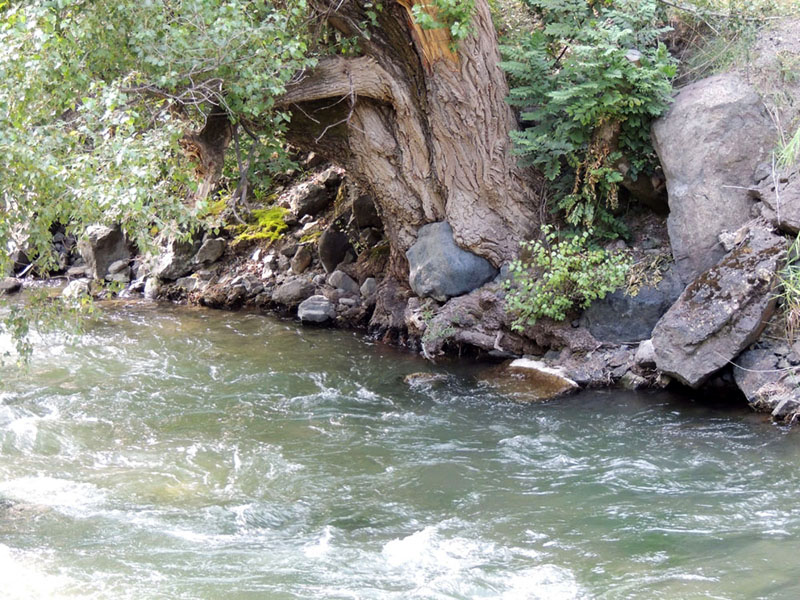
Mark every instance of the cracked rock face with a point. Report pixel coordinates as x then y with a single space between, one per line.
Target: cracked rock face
713 144
722 311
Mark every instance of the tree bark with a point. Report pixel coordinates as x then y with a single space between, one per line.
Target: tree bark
424 129
206 148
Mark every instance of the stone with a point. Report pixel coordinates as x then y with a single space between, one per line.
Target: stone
632 381
312 197
152 287
175 261
332 248
76 289
344 282
768 386
77 272
781 198
187 284
528 380
101 247
293 292
722 311
621 318
210 251
424 379
118 266
440 269
365 213
19 261
120 277
349 302
369 287
713 143
10 285
316 309
645 354
302 259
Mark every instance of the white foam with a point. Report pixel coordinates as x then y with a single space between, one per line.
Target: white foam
22 578
322 546
52 492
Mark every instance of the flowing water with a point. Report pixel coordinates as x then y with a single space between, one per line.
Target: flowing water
176 453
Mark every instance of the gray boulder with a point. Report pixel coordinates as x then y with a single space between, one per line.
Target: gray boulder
342 281
316 309
10 285
767 376
313 197
293 292
440 269
713 144
101 247
332 248
621 318
722 311
210 251
175 261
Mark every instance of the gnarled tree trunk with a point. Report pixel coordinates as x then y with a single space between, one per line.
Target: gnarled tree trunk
423 128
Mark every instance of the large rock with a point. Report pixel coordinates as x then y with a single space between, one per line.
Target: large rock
210 252
713 144
176 260
316 309
344 282
293 292
621 318
722 311
101 247
440 269
332 248
312 197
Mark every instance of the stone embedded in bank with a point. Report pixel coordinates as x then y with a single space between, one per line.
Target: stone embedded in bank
101 247
722 311
440 269
714 145
316 309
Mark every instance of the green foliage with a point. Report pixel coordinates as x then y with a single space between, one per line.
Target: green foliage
589 83
790 293
267 224
454 15
789 151
561 274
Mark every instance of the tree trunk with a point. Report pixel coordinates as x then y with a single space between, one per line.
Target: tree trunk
423 129
206 148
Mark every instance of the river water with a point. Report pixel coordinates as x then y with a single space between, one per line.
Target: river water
181 453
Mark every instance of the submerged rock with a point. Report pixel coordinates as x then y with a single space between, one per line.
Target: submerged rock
721 312
528 380
423 378
440 269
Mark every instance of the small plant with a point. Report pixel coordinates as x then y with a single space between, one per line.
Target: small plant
790 293
454 15
561 274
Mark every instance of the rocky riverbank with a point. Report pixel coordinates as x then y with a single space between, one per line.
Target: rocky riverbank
699 308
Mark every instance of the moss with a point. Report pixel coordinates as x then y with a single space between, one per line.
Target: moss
214 209
266 224
310 237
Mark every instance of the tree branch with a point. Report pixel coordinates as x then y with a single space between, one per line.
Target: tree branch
338 77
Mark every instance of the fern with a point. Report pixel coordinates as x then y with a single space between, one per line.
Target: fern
588 84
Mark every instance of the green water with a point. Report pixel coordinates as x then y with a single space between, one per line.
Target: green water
175 453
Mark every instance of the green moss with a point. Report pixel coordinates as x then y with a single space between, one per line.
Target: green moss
310 237
266 224
214 209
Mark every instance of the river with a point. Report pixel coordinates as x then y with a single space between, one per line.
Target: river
179 453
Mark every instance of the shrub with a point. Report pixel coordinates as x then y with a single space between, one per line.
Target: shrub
561 275
589 83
